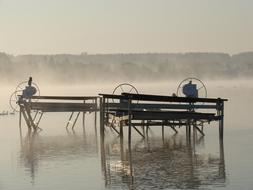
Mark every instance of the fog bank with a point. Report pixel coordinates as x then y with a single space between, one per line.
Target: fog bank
67 68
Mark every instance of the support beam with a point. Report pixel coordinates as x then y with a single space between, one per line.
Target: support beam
25 117
138 132
75 120
69 119
174 129
115 129
199 130
39 119
28 112
35 115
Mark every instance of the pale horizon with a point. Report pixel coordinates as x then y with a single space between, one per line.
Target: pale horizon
109 27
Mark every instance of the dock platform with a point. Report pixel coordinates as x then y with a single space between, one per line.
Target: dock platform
147 110
136 111
34 108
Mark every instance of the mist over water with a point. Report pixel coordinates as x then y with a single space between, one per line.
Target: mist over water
59 159
83 68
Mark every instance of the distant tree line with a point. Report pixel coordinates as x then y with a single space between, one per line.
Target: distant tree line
65 68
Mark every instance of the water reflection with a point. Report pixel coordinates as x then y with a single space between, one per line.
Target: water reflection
36 148
161 163
174 162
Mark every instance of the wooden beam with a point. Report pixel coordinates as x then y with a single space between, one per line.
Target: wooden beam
75 120
115 129
149 97
28 112
172 127
25 117
200 131
65 97
138 132
71 115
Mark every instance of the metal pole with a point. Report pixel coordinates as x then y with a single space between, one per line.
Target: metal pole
129 121
101 101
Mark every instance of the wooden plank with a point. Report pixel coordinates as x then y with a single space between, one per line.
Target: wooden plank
60 104
171 115
66 97
69 110
113 96
159 112
159 123
62 107
159 106
148 97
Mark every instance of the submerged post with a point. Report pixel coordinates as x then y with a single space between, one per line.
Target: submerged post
129 120
221 120
84 118
121 129
102 126
20 118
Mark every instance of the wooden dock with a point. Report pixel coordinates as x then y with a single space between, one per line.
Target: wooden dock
144 110
34 108
136 111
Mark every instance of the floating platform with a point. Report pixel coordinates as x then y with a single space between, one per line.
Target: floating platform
128 109
41 104
147 110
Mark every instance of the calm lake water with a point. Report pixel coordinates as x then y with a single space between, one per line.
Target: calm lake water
60 159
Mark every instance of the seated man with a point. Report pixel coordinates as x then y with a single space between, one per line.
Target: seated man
190 90
29 90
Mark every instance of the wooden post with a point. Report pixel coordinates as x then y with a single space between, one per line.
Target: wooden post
25 117
20 118
28 112
130 162
143 128
163 132
103 156
96 104
102 126
222 169
84 118
121 143
84 122
129 120
20 127
221 121
121 129
189 131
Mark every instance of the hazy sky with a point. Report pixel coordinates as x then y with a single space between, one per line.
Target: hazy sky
123 26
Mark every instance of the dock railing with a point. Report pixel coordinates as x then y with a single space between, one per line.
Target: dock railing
41 104
134 110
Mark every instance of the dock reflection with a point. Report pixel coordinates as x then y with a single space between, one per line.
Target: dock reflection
36 148
172 163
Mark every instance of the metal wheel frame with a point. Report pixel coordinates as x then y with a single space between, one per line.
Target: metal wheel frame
19 89
120 86
180 86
